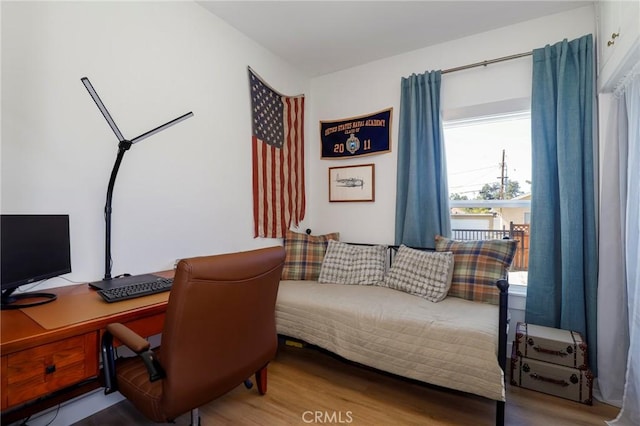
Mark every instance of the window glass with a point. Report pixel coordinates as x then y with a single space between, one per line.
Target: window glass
489 176
486 150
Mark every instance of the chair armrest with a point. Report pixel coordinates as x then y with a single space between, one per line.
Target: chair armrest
128 337
137 344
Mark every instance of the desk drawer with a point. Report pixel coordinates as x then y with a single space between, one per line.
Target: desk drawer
44 369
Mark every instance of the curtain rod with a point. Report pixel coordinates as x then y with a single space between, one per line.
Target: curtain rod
484 63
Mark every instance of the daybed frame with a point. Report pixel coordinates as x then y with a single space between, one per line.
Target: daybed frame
503 287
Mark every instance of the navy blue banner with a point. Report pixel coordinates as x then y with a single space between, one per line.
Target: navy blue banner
356 136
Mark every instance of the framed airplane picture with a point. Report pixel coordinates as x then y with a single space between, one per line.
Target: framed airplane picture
352 183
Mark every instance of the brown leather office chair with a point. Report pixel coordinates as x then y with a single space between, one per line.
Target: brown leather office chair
219 330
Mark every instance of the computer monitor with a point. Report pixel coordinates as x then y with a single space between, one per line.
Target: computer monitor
33 247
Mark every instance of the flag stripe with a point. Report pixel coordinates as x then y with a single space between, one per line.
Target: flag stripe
289 150
274 190
301 204
256 186
282 205
270 190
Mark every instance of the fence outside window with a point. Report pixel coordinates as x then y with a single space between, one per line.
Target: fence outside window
518 232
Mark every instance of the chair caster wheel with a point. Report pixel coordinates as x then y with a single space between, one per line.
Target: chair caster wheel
248 384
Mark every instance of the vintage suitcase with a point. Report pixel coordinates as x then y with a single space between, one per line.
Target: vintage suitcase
562 347
554 379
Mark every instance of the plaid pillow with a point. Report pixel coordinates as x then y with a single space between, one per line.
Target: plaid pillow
422 273
353 264
304 254
478 265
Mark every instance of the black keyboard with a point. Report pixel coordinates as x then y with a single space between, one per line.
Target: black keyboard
130 291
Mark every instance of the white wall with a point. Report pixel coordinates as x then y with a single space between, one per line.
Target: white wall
183 192
376 86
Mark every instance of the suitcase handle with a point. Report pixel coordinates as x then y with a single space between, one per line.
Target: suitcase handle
549 351
558 382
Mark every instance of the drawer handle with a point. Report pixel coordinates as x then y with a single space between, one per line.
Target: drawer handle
549 351
562 383
50 369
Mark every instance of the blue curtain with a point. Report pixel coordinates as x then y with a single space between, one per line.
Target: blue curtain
563 272
422 195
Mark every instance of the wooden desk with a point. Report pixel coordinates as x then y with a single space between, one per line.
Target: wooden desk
42 367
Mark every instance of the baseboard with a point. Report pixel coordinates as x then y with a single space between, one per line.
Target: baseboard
74 410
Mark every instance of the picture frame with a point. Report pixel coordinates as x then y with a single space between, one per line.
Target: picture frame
352 183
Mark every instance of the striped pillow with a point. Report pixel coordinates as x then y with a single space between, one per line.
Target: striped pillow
304 254
478 265
422 273
353 264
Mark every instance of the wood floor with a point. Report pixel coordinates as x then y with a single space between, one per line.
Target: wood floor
306 386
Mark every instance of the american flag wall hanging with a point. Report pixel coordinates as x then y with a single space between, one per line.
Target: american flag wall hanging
278 159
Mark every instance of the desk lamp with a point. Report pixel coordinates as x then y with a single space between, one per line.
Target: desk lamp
123 146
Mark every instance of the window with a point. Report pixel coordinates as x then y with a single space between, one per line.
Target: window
489 176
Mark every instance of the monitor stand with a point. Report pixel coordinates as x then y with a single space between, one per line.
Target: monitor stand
15 301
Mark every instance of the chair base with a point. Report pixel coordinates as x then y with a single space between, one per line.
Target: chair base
195 417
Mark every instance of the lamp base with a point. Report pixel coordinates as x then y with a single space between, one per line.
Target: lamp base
122 281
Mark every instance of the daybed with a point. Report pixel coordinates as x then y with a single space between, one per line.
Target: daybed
450 341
